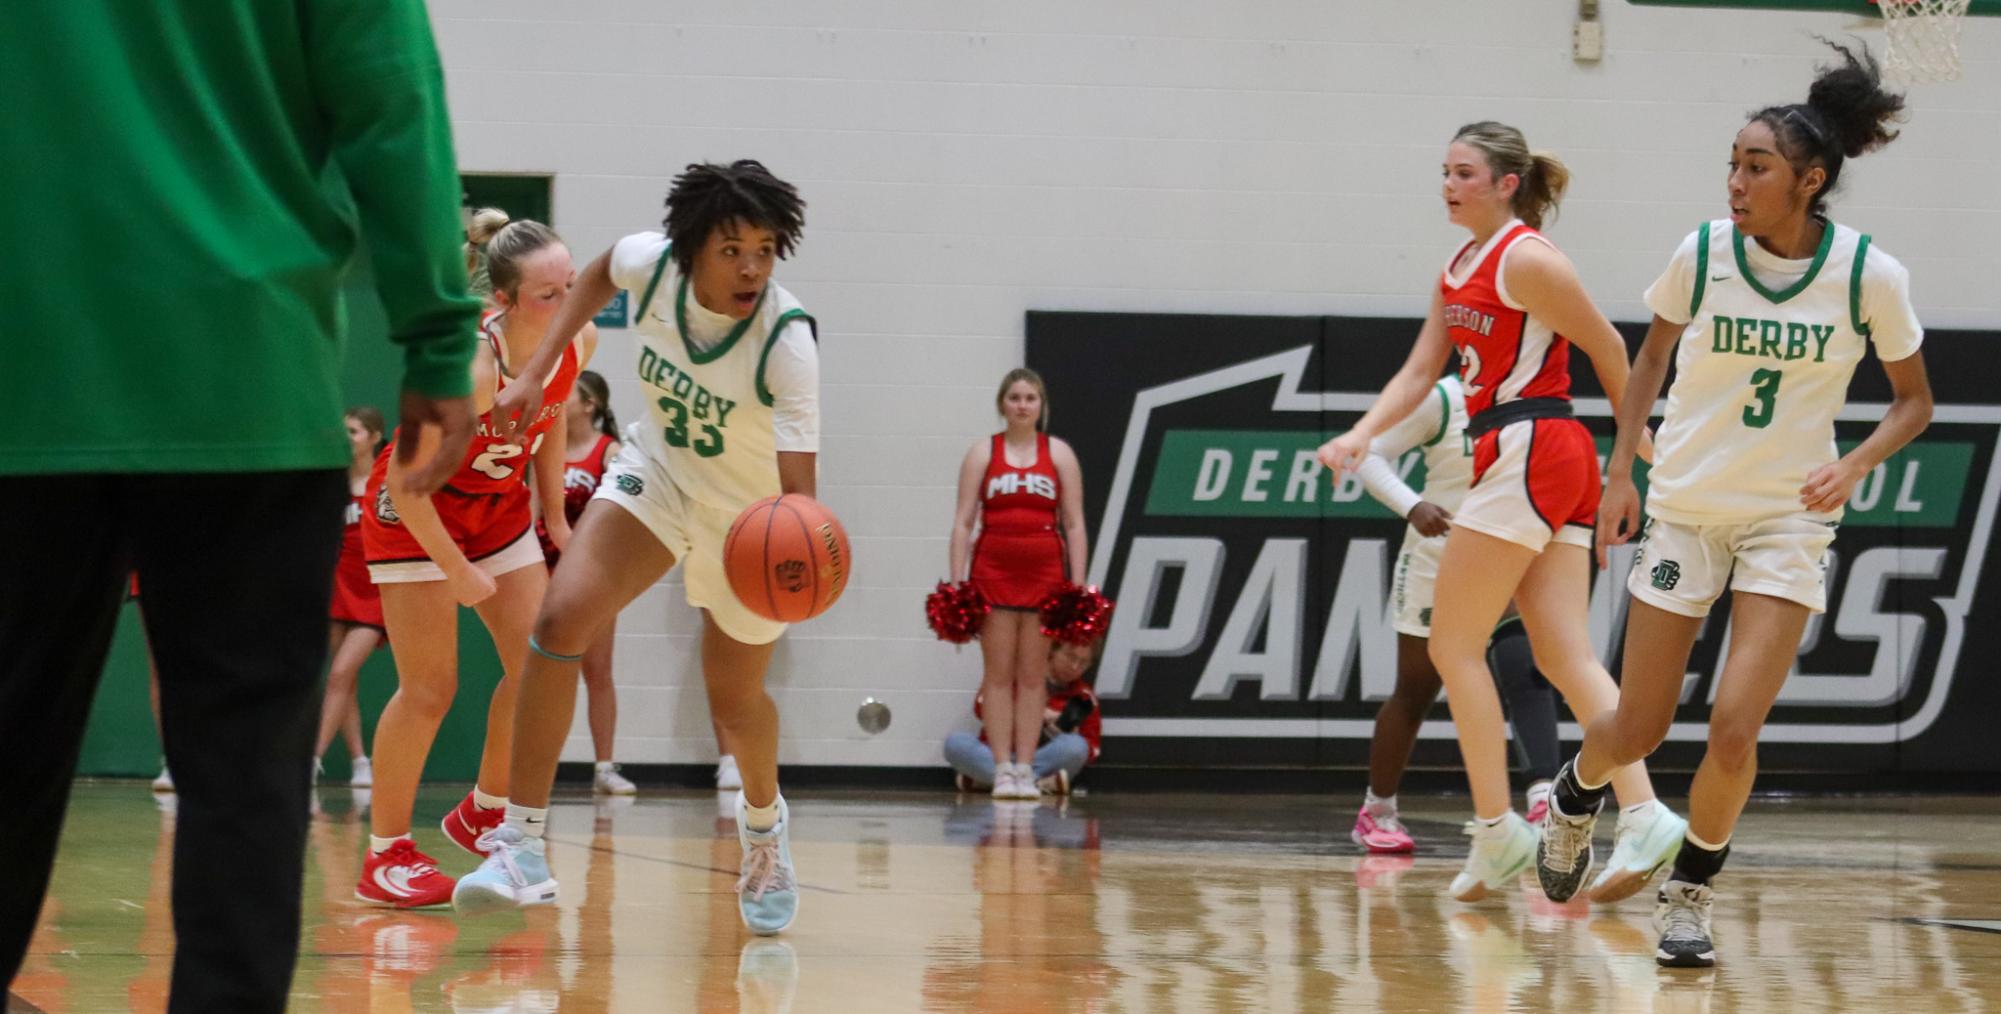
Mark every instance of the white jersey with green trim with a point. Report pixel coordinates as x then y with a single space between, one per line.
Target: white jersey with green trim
1438 425
1763 366
710 419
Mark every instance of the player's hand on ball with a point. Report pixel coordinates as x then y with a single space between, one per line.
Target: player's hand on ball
1344 454
1618 516
470 585
1828 486
1429 519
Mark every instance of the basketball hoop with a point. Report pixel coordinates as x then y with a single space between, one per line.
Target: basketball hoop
1924 38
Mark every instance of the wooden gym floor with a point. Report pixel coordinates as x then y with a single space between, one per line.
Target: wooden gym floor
1134 902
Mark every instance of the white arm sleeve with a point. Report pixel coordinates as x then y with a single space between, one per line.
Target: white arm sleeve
792 375
633 260
1378 472
1671 293
1886 308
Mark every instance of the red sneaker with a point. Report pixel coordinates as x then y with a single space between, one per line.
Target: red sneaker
403 878
1380 835
467 822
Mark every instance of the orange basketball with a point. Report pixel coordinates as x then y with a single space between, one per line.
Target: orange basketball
787 558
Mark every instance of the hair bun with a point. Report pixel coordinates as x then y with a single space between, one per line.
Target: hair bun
1849 101
485 222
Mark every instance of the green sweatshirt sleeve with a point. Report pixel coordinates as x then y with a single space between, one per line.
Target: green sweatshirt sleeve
378 83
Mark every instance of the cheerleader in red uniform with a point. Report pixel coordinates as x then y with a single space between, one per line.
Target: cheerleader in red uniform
590 440
471 543
1026 492
354 628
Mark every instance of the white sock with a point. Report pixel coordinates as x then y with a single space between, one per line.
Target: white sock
1380 806
604 766
761 818
528 820
487 801
379 845
1638 808
1705 846
1496 826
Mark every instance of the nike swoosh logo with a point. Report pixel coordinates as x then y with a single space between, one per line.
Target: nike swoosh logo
395 881
1720 278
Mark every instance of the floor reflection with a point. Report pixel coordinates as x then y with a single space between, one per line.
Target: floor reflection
926 902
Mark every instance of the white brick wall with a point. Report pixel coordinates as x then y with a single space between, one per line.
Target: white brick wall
967 162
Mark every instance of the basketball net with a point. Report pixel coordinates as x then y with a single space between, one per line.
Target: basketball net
1924 38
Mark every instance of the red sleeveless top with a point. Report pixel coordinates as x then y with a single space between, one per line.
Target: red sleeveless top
1504 353
581 478
492 464
1016 501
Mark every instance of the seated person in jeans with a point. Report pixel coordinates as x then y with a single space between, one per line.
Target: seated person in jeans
1070 729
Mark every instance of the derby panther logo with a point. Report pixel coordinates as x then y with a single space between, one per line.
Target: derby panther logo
1267 630
385 508
791 575
630 485
1667 574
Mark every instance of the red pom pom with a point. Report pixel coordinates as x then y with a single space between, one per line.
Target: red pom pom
1076 614
956 611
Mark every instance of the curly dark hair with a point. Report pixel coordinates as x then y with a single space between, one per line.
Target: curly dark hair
706 195
1846 113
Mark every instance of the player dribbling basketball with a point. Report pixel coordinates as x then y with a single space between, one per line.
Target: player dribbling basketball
730 369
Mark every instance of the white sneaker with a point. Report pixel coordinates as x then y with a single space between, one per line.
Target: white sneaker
165 781
609 782
1004 782
1643 845
363 776
728 778
1025 786
1500 854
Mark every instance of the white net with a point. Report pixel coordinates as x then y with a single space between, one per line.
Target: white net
1924 38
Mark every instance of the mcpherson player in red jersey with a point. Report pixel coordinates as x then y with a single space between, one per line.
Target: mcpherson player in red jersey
473 544
1511 305
354 620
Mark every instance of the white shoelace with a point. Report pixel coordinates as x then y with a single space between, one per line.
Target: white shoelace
1388 822
1563 842
503 851
764 868
1683 920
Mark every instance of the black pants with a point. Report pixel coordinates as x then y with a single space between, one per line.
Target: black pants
235 573
1530 702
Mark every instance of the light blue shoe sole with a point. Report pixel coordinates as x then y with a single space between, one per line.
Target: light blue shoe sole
1623 882
477 899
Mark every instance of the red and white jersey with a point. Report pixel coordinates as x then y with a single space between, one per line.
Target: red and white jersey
1504 353
1018 500
493 464
581 478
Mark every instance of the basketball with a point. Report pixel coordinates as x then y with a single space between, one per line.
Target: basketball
787 558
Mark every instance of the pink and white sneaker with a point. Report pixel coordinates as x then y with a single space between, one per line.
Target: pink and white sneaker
1382 835
1538 800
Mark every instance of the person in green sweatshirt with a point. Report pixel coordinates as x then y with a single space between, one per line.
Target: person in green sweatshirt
185 184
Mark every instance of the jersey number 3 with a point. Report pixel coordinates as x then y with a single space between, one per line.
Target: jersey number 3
1765 388
708 445
489 463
